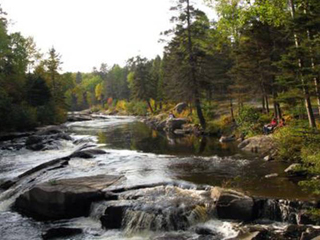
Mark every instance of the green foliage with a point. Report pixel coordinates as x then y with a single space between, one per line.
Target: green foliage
289 142
137 108
248 120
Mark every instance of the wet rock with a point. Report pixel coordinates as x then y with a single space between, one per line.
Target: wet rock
268 158
305 218
174 236
181 132
161 125
82 154
232 205
204 231
227 138
47 138
180 107
272 175
175 123
262 145
79 116
113 215
55 233
310 234
13 135
162 208
88 153
65 198
295 170
35 139
96 151
50 130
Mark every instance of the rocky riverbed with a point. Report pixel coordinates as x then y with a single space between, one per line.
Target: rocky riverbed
107 178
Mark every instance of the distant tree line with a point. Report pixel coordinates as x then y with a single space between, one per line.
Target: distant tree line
265 50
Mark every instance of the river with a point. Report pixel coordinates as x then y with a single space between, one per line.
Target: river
143 156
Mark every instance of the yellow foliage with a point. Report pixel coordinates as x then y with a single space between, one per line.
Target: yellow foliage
121 105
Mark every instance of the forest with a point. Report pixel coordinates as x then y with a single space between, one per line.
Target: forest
259 59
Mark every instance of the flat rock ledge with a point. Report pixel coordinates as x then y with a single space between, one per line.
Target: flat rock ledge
66 198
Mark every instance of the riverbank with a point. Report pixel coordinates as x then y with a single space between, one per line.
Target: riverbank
182 172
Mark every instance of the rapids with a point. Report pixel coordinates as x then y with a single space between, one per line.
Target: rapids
186 166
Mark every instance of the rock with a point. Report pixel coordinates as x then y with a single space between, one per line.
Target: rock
65 198
259 144
113 215
49 130
88 153
180 107
161 125
181 132
47 138
78 118
204 231
272 175
96 151
13 135
55 233
295 170
232 205
82 154
35 139
305 218
175 123
268 158
227 138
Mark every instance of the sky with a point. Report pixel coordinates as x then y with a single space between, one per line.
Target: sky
89 32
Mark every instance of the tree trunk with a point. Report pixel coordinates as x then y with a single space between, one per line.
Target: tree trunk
312 122
276 105
263 104
231 111
149 105
267 104
193 72
313 66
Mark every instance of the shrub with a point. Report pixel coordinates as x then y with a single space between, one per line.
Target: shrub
289 142
22 117
137 108
250 121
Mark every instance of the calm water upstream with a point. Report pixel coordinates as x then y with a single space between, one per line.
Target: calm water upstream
143 156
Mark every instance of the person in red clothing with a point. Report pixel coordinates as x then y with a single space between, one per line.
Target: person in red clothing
268 128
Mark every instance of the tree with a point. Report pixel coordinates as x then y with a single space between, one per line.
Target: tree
184 54
53 66
140 80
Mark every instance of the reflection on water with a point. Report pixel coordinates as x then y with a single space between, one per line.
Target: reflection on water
197 160
137 136
142 156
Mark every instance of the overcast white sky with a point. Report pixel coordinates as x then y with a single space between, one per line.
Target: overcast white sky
90 32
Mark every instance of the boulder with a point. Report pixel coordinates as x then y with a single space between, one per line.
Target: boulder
113 216
272 175
232 205
47 138
175 123
65 198
161 125
295 170
230 138
268 158
62 232
49 130
78 118
262 145
180 107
